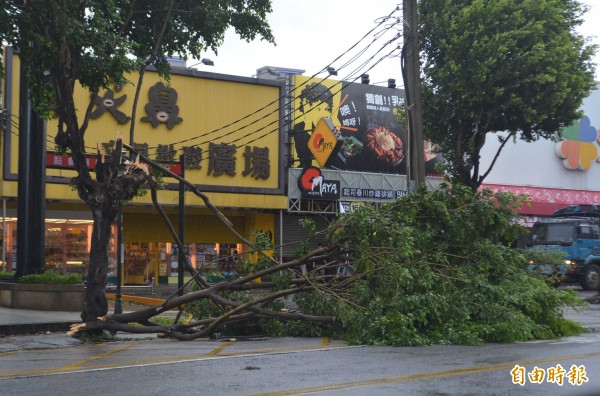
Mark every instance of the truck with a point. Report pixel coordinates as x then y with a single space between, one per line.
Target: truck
573 231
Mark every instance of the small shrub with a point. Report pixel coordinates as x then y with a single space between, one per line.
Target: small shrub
161 320
214 277
7 275
51 278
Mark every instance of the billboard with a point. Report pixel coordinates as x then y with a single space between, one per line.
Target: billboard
367 119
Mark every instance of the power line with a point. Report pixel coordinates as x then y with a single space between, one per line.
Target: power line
377 36
350 78
295 89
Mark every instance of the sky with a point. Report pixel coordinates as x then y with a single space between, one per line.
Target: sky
311 34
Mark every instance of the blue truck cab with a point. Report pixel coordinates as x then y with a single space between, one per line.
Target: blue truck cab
574 231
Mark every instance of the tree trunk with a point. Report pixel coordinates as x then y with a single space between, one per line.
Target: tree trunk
96 304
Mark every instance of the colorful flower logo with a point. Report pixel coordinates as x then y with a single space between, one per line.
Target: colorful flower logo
577 150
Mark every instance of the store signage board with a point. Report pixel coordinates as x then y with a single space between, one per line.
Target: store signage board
65 161
323 143
350 206
313 185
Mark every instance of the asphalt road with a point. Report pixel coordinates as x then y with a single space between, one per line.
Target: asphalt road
300 366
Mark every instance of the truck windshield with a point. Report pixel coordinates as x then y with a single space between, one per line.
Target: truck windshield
557 233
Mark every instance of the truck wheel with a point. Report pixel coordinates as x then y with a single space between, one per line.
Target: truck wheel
591 278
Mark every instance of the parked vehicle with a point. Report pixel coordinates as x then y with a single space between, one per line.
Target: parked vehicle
574 231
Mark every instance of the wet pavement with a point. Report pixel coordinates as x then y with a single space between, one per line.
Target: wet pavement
31 329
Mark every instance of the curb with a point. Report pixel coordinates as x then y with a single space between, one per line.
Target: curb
151 301
34 328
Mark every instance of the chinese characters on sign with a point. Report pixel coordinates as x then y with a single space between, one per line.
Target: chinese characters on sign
557 375
162 108
257 162
66 161
109 103
372 193
221 158
382 102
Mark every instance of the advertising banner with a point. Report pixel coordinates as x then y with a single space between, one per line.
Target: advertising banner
367 118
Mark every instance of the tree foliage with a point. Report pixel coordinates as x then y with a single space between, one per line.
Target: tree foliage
437 270
433 267
95 43
500 65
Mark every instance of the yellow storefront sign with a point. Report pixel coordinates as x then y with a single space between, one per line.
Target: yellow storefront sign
227 128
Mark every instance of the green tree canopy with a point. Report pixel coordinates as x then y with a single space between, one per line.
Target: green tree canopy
97 42
500 65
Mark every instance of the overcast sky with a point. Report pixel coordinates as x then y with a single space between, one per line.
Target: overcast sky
310 34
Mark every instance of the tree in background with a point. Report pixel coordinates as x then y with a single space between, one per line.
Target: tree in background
95 43
500 66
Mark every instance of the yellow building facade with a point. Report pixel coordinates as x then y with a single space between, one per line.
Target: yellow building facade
225 129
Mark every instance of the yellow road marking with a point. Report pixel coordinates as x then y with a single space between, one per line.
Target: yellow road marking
218 349
101 356
213 353
69 366
424 376
286 349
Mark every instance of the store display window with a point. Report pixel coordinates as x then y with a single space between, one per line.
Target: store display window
67 246
147 262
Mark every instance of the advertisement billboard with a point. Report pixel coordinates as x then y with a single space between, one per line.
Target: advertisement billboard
367 117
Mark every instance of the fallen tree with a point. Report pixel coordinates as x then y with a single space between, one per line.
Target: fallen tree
432 267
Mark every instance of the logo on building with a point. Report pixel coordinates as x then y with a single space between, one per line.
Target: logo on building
323 143
577 149
313 185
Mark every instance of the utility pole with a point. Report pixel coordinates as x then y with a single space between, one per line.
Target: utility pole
413 89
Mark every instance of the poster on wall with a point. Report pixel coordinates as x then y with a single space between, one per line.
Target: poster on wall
367 118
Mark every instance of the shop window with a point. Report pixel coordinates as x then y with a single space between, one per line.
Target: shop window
67 246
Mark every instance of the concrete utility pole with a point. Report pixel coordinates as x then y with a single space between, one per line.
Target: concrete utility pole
413 93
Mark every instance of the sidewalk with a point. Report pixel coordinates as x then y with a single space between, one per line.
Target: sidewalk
26 321
30 329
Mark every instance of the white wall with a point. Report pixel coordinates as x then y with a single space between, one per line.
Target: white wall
537 165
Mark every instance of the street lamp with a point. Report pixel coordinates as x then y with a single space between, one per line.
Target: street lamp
203 61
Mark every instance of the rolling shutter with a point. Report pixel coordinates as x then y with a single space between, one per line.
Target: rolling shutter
142 227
